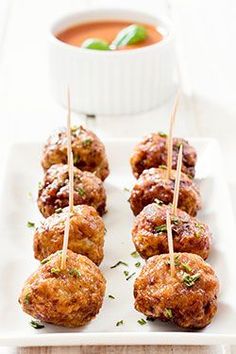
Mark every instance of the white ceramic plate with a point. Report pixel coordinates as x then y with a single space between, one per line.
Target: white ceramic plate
16 256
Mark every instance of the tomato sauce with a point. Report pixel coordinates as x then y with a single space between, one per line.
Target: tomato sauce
106 30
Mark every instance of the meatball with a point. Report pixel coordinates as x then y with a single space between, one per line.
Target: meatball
152 152
54 191
188 299
70 297
86 234
88 150
150 233
153 184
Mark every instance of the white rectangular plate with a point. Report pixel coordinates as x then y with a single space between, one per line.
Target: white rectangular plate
17 262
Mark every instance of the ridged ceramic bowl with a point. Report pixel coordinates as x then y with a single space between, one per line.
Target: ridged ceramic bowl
112 82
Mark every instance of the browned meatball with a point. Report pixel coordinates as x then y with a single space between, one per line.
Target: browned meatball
150 233
188 299
70 297
86 234
89 151
153 184
152 152
54 191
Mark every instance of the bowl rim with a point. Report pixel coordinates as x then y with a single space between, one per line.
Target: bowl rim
163 20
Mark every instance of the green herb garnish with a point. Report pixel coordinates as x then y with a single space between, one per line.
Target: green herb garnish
40 185
111 296
87 142
159 202
142 321
126 273
151 319
119 263
27 299
130 276
168 313
81 192
135 254
163 135
186 267
94 43
55 270
176 261
138 264
121 322
161 228
163 167
45 260
30 224
58 210
126 189
175 220
75 272
36 324
130 35
189 280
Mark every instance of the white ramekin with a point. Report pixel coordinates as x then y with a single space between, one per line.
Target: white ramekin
112 83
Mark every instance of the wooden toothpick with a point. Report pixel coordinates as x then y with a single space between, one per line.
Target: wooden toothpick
170 244
177 181
170 136
71 186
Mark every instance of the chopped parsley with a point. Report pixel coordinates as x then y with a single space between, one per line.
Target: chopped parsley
81 192
189 280
58 210
119 323
36 324
126 273
168 313
162 135
176 261
151 319
119 263
55 270
75 272
74 128
159 202
76 159
45 260
87 142
142 321
130 276
138 264
111 296
175 220
126 189
186 267
135 254
30 224
161 228
27 299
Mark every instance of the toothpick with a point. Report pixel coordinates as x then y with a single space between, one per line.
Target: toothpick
170 244
170 136
177 180
71 186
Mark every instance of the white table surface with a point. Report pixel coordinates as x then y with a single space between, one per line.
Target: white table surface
206 47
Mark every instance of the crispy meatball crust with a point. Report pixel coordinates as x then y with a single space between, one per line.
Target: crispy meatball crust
70 297
150 235
86 236
54 191
152 152
153 184
89 151
158 295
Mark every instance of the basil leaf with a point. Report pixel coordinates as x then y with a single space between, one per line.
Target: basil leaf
97 44
130 35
